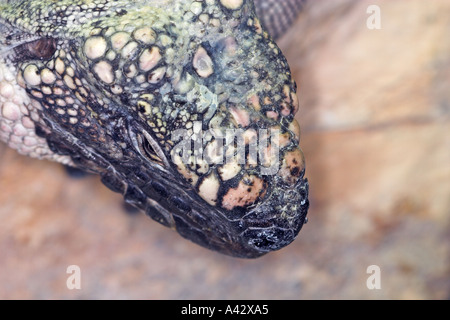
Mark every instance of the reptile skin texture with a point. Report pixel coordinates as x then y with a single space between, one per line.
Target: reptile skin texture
185 107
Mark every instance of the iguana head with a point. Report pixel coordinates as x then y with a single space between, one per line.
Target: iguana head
185 107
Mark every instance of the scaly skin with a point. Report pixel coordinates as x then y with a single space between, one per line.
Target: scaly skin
123 88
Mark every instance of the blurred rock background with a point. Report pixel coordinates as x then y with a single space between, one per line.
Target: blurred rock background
375 118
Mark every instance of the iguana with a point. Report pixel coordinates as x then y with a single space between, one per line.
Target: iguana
185 107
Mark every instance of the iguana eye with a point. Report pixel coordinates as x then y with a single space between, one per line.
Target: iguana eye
42 49
149 151
147 145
